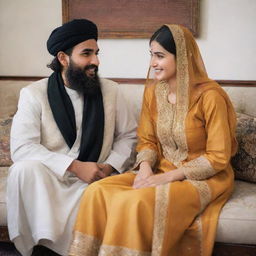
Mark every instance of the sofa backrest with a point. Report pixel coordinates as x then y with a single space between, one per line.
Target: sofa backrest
243 98
9 95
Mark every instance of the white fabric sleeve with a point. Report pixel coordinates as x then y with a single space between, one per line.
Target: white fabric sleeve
124 136
26 136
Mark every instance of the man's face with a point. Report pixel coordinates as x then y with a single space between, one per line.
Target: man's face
86 54
81 73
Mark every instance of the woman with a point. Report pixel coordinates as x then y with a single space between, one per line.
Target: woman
170 206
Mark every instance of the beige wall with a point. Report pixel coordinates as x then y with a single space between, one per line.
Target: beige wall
227 41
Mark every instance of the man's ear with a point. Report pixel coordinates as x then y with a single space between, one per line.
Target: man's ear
63 58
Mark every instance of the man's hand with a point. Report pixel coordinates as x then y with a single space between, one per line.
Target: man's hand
86 171
106 168
145 171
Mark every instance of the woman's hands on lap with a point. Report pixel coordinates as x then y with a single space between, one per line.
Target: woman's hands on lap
158 179
145 171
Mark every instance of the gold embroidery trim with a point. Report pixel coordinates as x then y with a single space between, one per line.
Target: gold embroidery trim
165 122
182 93
171 118
199 233
148 155
109 250
84 245
205 198
161 207
203 191
198 169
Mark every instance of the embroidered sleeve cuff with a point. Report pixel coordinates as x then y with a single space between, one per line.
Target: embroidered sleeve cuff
148 155
198 169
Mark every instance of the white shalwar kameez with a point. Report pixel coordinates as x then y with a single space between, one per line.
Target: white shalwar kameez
42 197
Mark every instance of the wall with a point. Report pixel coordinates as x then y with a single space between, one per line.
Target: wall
227 41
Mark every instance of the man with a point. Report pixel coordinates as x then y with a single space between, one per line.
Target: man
70 130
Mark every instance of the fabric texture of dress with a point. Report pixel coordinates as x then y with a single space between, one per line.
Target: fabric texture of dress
42 197
197 135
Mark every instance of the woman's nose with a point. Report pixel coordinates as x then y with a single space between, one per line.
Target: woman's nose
153 62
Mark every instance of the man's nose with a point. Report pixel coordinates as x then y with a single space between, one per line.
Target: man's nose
95 60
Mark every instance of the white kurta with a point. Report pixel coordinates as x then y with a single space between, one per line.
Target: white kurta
42 197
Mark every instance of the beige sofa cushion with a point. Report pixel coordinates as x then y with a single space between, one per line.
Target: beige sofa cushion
243 99
237 222
9 94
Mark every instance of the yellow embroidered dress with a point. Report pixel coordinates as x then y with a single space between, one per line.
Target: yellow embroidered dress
197 134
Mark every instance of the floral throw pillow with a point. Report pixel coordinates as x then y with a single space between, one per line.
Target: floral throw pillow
244 162
5 127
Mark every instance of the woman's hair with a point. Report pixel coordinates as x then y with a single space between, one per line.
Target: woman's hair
164 37
55 65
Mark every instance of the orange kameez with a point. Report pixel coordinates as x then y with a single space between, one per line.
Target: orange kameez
197 134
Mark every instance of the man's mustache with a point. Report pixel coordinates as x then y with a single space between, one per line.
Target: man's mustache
90 67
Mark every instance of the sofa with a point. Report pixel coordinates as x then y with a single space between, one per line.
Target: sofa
236 232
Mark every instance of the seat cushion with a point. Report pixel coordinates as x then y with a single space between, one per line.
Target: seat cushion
237 222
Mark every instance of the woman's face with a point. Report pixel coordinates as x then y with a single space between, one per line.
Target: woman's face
163 63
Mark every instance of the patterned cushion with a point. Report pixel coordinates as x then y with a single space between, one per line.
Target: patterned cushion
5 126
244 162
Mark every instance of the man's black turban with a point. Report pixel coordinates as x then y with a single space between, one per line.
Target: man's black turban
71 34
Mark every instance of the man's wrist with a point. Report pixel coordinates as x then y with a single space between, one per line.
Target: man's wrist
109 169
73 166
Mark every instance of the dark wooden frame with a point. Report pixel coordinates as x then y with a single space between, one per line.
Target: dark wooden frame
133 18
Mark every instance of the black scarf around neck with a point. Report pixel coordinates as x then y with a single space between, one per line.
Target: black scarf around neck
64 116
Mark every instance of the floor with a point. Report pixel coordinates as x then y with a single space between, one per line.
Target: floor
8 249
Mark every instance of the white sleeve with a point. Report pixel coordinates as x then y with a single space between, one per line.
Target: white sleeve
124 136
26 137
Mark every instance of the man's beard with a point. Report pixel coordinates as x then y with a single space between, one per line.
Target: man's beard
79 81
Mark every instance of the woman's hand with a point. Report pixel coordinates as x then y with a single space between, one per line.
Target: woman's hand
161 179
153 181
145 171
